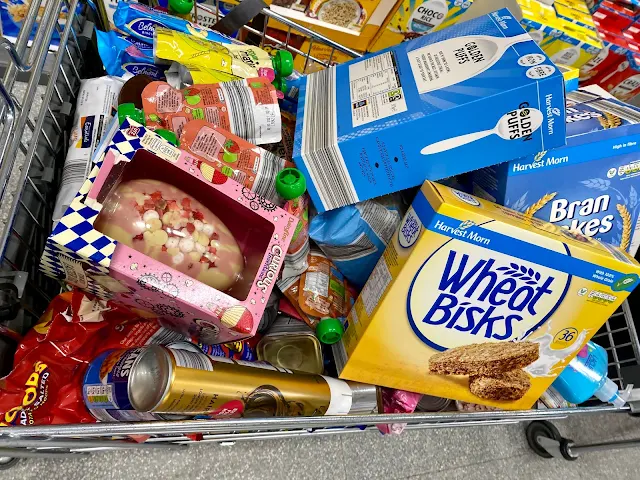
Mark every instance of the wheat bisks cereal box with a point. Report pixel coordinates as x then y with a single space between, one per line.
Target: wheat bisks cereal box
590 185
476 302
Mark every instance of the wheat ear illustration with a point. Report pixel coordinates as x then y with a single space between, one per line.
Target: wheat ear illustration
610 121
534 207
626 226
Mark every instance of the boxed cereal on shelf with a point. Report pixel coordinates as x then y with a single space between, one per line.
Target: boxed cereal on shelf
414 18
389 121
589 186
476 302
157 230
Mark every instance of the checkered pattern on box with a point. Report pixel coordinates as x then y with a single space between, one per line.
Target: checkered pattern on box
74 236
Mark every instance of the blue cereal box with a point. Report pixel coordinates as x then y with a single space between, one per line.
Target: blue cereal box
471 95
591 185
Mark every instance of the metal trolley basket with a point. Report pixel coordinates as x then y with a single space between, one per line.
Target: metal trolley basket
38 92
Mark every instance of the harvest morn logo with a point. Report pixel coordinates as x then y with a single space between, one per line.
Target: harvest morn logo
467 294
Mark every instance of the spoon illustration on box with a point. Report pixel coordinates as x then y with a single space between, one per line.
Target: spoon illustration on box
512 125
467 57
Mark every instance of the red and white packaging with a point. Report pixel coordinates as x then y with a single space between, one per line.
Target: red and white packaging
247 108
248 164
45 385
611 20
613 53
623 82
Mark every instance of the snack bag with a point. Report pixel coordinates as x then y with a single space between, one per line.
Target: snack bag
96 104
322 291
237 61
45 386
290 288
122 57
397 401
251 166
247 108
140 22
354 237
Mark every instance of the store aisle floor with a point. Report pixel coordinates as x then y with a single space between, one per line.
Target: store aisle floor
492 452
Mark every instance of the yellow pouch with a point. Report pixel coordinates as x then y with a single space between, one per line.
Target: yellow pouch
241 61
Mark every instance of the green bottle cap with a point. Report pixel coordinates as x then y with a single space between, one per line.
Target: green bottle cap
290 183
169 136
280 84
181 7
283 63
129 110
329 330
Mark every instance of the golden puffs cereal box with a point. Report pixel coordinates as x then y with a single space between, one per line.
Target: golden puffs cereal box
476 302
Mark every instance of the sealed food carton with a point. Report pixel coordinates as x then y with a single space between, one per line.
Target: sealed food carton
160 231
589 186
614 52
623 82
414 18
351 23
476 302
471 95
575 16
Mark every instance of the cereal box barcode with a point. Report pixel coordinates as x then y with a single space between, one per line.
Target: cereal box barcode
319 150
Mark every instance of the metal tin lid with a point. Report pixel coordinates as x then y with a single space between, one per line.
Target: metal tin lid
291 344
150 379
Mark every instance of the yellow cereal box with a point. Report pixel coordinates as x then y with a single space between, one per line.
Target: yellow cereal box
470 296
351 23
414 18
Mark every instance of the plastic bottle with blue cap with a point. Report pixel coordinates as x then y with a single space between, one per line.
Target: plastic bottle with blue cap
586 376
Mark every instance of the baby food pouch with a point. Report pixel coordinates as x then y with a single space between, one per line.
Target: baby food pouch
251 166
240 61
290 288
322 291
247 108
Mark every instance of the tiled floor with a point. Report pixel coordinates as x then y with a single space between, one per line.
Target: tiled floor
492 452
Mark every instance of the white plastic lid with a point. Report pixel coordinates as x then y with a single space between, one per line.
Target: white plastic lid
609 393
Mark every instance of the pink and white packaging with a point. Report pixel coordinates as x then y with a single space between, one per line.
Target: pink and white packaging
85 257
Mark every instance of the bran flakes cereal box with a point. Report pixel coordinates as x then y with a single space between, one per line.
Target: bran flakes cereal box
591 185
475 302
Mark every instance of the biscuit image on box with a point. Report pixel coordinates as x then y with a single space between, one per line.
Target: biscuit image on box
504 386
488 359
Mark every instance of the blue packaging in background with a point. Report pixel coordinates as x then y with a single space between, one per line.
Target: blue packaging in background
591 185
471 95
122 57
140 21
355 237
12 14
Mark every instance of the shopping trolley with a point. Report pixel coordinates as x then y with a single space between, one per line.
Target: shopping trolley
38 91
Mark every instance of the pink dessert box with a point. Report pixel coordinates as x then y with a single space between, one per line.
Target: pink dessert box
83 256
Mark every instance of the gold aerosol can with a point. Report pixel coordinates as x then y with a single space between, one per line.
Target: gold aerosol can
165 380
